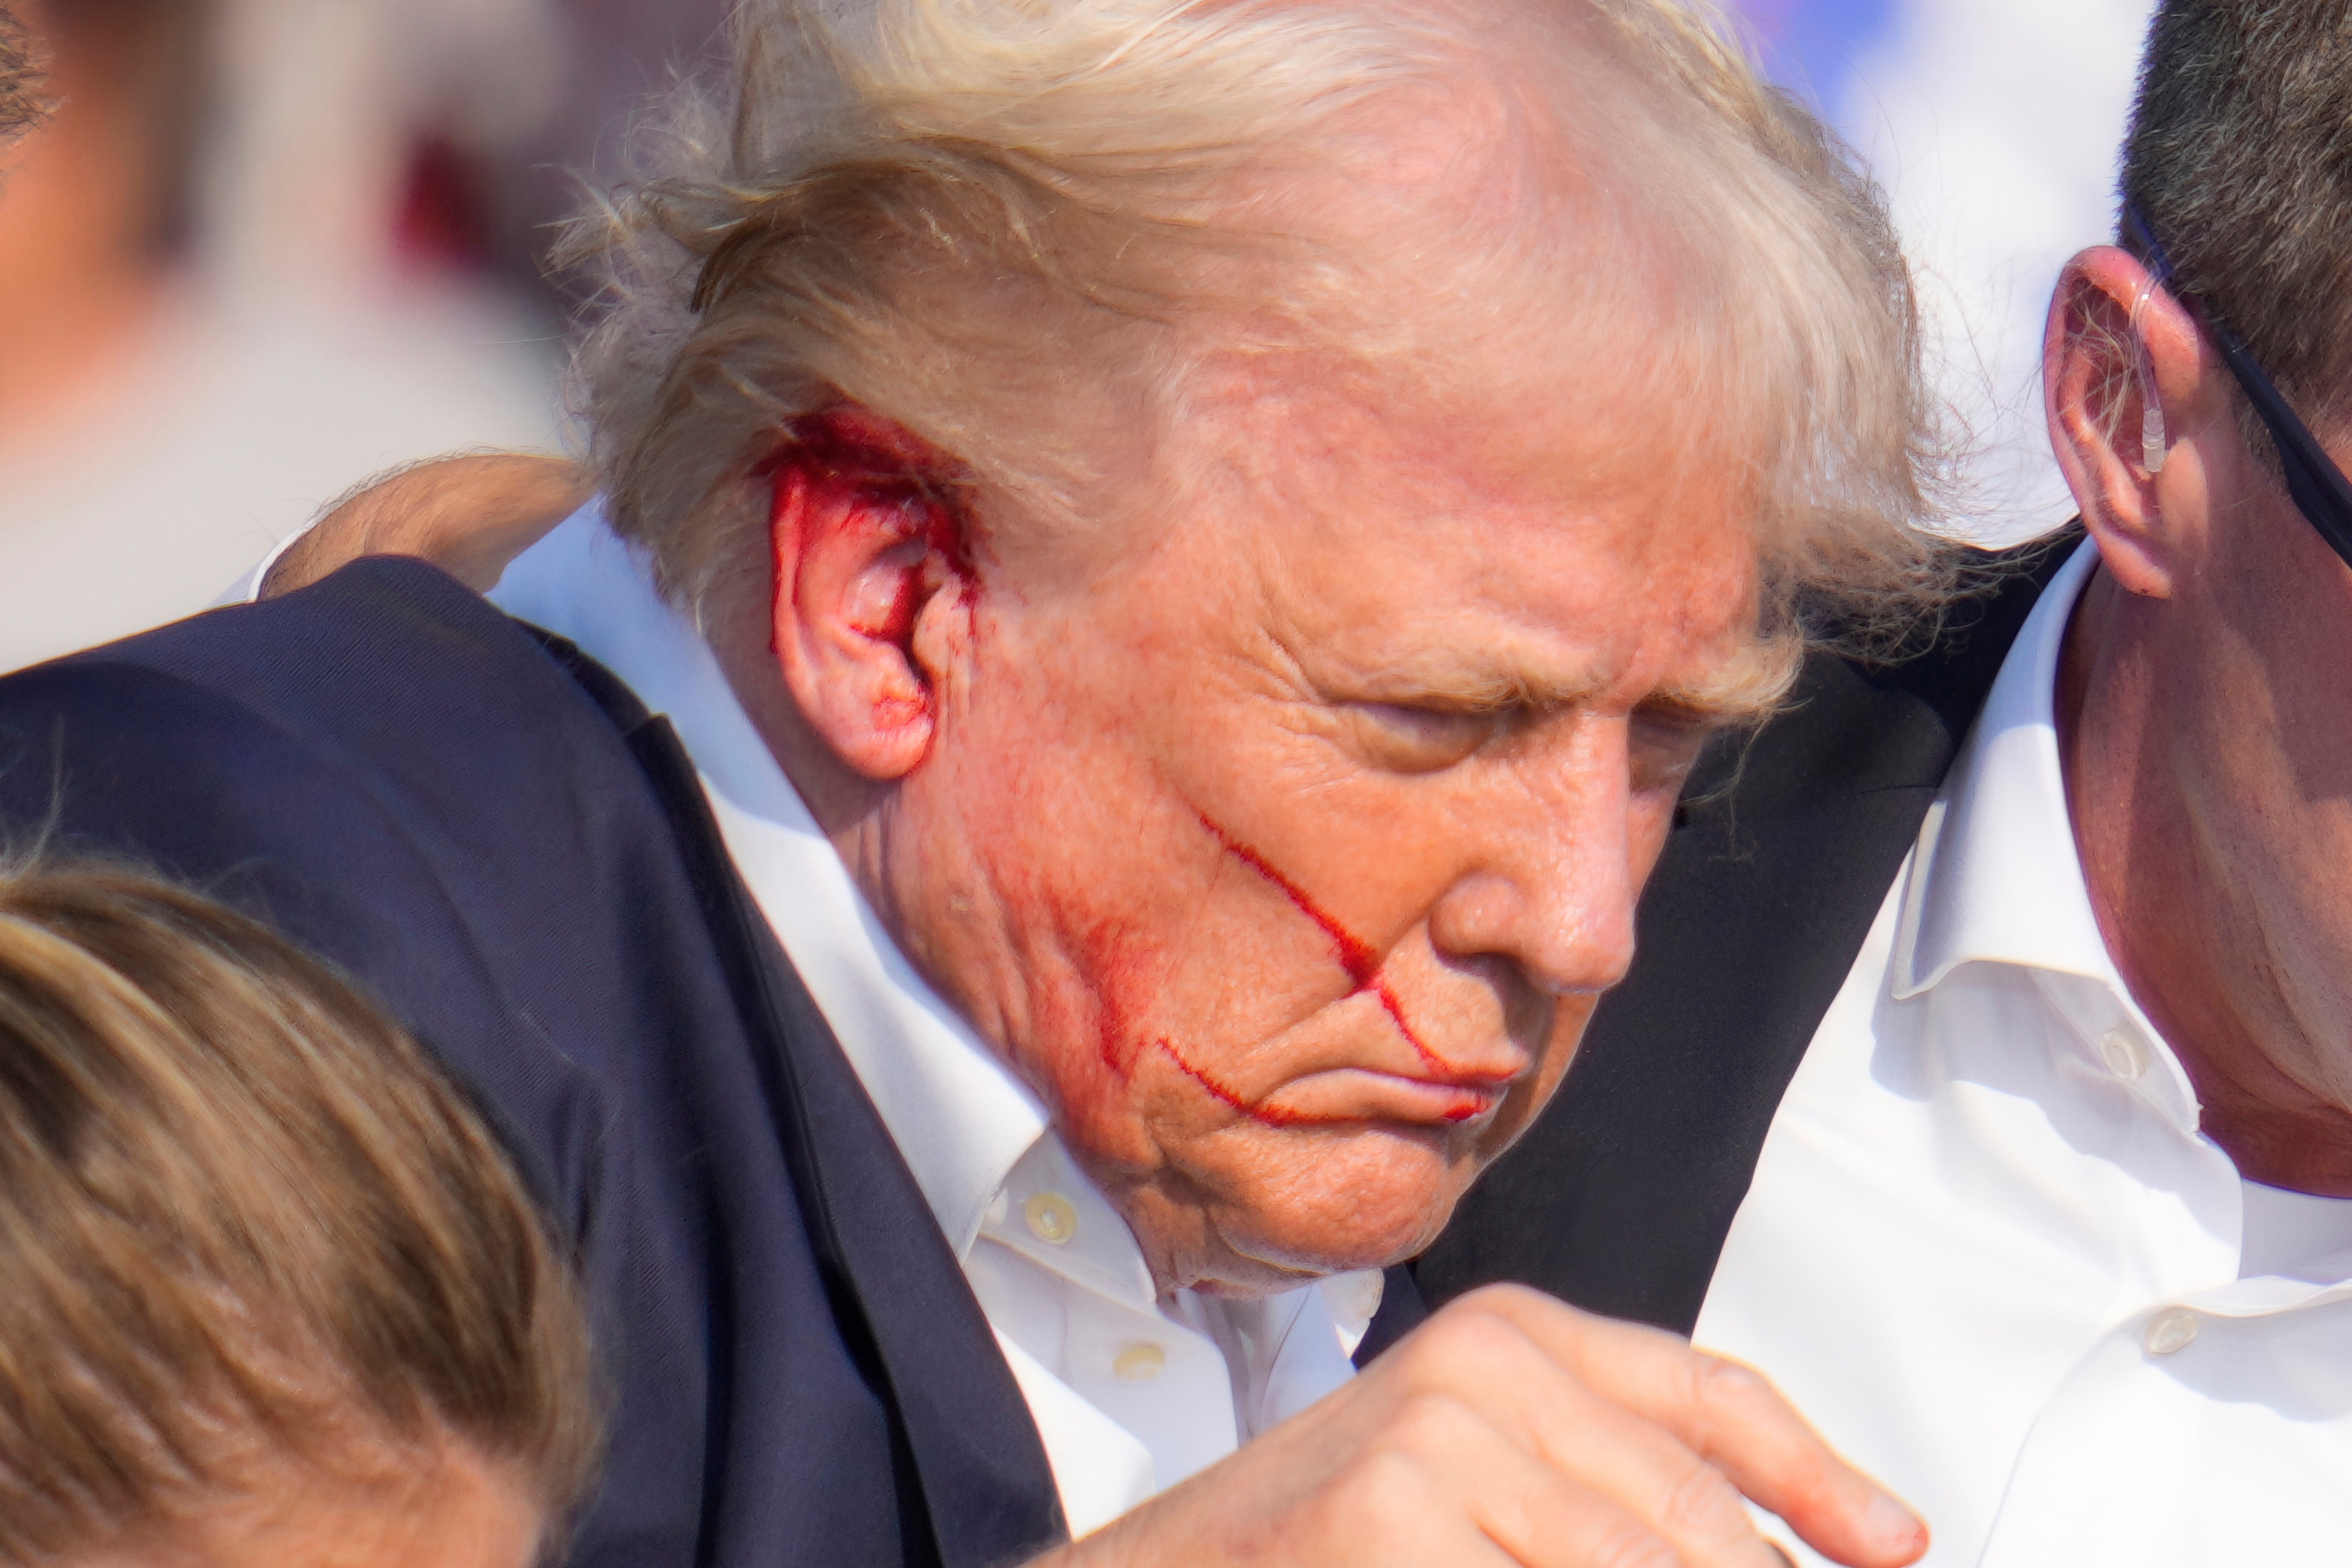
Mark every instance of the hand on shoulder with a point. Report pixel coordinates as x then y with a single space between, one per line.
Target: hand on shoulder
469 515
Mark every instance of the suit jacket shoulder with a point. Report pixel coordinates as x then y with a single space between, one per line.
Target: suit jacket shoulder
1619 1197
517 859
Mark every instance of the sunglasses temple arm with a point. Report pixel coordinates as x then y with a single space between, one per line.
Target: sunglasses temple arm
2317 486
2313 479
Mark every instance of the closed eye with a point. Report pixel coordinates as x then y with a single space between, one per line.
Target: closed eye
1667 742
1414 739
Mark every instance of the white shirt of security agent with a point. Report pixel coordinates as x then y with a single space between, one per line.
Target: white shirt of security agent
2054 1229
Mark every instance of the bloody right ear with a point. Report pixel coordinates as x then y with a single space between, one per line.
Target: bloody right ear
866 542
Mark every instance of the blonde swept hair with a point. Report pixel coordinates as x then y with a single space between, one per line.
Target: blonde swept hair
246 1224
855 211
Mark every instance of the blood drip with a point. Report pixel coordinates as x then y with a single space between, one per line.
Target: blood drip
847 449
1264 1114
1355 954
1363 969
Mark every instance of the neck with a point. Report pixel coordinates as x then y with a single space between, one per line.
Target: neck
2183 916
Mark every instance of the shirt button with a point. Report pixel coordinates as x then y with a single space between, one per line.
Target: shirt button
2169 1331
1138 1363
1051 1217
2121 1049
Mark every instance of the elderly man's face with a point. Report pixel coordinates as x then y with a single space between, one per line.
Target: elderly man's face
1286 852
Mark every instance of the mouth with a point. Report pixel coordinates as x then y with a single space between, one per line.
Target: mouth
1357 1094
1353 1094
1433 1093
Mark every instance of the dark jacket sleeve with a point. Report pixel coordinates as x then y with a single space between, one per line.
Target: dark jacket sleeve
310 776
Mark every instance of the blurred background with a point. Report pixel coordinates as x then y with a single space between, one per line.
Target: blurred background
1994 126
263 248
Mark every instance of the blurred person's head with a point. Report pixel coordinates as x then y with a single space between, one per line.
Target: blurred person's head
2212 771
97 183
22 101
1238 517
274 1294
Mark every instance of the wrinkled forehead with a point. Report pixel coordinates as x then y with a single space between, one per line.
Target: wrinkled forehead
1477 547
1485 279
1544 198
1480 357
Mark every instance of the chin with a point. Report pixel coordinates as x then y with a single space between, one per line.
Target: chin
1333 1202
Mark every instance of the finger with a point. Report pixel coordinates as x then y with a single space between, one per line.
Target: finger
1631 1460
1729 1416
1541 1518
469 515
1531 1513
1409 1488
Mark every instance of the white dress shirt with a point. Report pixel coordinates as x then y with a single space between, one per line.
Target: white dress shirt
1987 1249
1131 1392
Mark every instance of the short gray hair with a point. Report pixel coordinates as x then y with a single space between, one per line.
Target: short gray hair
786 247
2240 158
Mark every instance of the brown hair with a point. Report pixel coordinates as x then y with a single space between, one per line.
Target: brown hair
2239 157
242 1216
21 102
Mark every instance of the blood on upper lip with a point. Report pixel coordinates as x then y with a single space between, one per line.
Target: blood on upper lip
1269 1115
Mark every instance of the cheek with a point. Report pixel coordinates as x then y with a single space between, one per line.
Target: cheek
1167 987
1056 814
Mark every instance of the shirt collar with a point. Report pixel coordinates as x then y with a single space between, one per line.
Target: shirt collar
1996 879
961 1119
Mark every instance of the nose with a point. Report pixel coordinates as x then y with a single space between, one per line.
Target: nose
1559 845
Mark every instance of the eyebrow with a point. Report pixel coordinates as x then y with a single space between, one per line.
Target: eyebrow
1749 688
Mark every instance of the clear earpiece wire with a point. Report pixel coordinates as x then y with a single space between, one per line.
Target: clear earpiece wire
2152 443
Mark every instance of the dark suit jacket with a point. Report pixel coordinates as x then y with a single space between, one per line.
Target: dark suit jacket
1619 1197
488 832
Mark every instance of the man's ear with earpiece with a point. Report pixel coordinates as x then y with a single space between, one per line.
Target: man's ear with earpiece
2113 342
872 586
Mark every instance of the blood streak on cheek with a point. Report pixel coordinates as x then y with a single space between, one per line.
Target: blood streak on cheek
1107 949
1266 1116
1356 956
1470 1105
